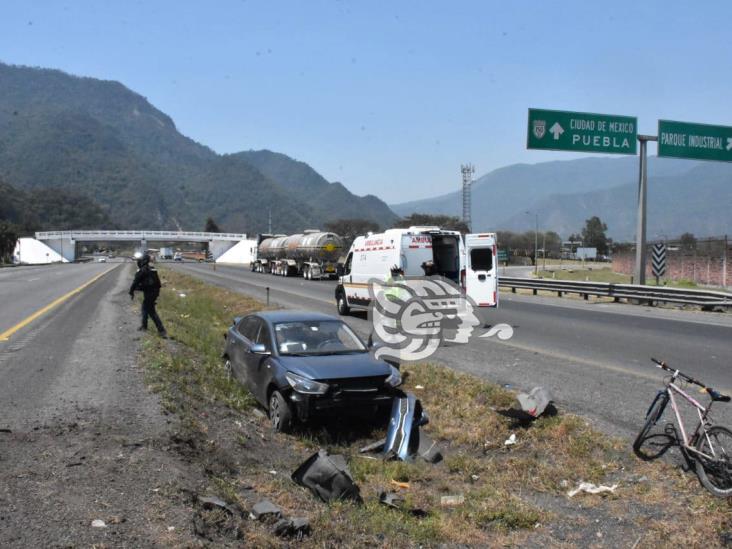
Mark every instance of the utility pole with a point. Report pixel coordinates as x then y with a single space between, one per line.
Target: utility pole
536 242
724 263
536 245
468 170
543 250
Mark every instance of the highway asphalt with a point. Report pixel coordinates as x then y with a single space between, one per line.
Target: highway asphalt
25 290
60 359
593 357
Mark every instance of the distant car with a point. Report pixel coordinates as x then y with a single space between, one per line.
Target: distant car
101 259
301 364
178 256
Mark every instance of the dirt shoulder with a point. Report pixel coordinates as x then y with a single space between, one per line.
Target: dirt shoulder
85 439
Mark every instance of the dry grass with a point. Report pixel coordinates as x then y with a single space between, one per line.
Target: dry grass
606 274
514 495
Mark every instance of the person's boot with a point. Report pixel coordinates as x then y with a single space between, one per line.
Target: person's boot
163 334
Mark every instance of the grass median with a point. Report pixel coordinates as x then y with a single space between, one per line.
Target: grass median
512 494
606 274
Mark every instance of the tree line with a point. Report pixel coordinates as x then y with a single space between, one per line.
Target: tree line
592 235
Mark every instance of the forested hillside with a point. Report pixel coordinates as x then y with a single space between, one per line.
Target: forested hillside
100 140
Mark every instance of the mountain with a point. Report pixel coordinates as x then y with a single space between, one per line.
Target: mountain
565 193
697 202
41 209
311 188
99 139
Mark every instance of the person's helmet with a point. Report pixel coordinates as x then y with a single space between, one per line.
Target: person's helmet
144 260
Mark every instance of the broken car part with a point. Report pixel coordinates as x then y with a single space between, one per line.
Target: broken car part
209 502
327 477
297 527
265 510
402 437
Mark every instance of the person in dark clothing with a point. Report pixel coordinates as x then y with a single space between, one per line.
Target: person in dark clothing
147 281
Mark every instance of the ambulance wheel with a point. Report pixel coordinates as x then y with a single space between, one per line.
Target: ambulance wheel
343 308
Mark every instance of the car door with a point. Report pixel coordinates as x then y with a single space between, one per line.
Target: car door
481 275
240 345
257 365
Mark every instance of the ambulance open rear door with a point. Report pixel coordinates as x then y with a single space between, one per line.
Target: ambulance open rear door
480 277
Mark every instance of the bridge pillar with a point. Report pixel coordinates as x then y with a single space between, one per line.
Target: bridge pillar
64 246
218 247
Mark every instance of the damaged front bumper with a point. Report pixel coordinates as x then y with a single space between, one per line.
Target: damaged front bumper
354 400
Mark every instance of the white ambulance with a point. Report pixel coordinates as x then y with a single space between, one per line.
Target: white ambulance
470 262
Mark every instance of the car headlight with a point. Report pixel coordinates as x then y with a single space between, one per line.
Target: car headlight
394 379
305 385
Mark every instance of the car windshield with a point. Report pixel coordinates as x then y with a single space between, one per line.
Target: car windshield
316 337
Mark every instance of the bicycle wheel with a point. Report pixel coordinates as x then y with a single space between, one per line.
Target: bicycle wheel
653 416
715 474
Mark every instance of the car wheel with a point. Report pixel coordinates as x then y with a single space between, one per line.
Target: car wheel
280 413
343 308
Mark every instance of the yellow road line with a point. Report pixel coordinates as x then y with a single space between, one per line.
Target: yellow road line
7 333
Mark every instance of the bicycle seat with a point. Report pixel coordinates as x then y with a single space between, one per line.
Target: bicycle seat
716 396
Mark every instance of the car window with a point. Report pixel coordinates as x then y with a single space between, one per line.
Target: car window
249 328
263 335
316 337
347 266
481 259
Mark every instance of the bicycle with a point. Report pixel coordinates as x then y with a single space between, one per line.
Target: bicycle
709 448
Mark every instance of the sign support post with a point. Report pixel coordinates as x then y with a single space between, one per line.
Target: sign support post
640 233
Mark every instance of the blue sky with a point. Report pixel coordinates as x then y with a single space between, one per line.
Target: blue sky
388 97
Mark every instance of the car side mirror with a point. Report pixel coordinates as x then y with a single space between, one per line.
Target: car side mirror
373 345
259 349
339 270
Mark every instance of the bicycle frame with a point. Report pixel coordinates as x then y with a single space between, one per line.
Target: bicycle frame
701 411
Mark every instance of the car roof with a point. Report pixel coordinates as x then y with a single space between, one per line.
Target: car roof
293 316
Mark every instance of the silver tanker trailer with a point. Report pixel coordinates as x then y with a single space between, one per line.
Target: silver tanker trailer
312 254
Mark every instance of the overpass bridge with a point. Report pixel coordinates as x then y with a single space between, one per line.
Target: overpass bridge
64 242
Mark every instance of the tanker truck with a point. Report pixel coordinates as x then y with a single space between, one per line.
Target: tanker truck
312 254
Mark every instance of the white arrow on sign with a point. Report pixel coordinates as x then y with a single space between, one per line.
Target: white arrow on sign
556 130
729 143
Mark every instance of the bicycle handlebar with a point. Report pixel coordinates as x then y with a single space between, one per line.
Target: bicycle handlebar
661 364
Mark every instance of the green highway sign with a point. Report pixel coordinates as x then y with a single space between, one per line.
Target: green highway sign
697 141
502 256
582 132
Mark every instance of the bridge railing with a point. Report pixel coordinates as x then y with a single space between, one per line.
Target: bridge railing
138 235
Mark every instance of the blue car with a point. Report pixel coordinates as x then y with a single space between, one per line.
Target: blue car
301 364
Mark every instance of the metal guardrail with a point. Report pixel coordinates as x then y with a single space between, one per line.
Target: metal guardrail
140 235
648 294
